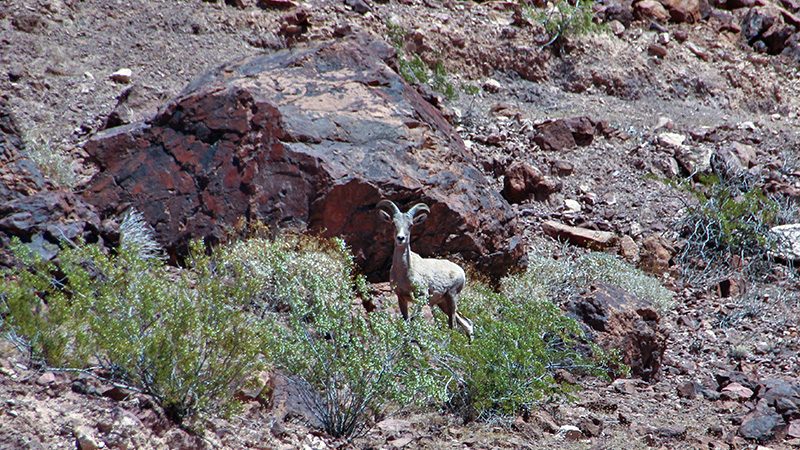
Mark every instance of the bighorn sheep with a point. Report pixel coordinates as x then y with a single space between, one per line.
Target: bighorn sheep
442 279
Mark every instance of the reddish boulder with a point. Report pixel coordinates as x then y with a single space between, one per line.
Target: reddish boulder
564 134
523 181
684 10
310 139
622 321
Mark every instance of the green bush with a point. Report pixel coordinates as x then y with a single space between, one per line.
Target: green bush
565 18
181 337
416 71
361 365
521 339
726 229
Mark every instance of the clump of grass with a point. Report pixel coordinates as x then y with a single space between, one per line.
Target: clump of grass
54 163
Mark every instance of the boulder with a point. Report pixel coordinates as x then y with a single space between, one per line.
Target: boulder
656 254
787 238
523 181
582 237
564 134
619 320
681 11
308 139
651 10
767 27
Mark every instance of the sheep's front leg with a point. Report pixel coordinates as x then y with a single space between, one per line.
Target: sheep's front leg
403 300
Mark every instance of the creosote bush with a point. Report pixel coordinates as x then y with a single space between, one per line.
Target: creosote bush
416 71
356 365
521 339
726 229
181 337
565 18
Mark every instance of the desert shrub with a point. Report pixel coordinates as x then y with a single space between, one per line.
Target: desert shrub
361 365
54 163
565 278
416 71
565 18
180 336
521 339
726 229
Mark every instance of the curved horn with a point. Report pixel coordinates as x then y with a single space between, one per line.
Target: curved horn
388 204
419 207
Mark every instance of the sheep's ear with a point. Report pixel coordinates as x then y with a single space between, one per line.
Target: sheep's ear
419 218
385 216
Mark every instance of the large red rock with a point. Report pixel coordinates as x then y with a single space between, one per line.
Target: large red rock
621 321
309 138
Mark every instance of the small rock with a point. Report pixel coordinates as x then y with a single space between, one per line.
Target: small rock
522 181
115 393
698 51
492 85
277 4
664 123
616 27
624 386
582 237
569 433
572 205
401 442
122 76
794 429
651 9
84 439
591 427
628 249
46 379
562 168
545 421
657 50
687 389
359 6
671 140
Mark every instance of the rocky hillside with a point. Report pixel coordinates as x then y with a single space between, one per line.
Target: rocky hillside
664 132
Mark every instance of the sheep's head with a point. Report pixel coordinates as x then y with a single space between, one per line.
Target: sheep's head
403 220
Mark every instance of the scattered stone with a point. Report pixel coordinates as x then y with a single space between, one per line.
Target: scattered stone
591 426
651 10
562 168
582 237
656 254
394 426
254 387
760 424
698 51
276 4
628 249
572 205
492 85
569 433
694 159
616 27
46 378
359 6
122 76
400 442
657 50
522 181
545 421
736 391
794 429
84 438
673 140
115 393
787 241
554 136
683 11
688 389
735 156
